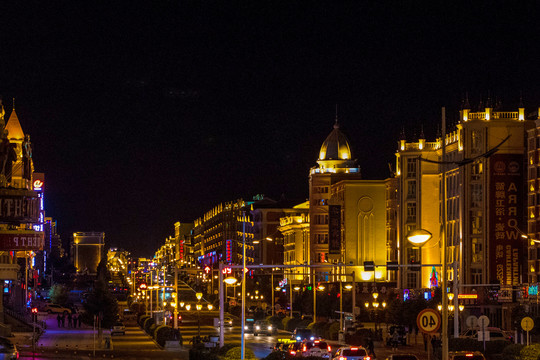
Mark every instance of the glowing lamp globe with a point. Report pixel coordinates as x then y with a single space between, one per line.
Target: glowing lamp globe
419 237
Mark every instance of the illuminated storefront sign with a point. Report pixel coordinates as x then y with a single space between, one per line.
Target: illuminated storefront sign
467 296
506 217
19 206
21 240
38 184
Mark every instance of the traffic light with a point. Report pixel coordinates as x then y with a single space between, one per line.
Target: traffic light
309 287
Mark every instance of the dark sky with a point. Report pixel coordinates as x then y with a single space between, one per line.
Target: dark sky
147 113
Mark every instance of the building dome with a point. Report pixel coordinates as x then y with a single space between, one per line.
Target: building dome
336 146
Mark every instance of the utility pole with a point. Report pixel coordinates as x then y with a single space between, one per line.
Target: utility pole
243 349
444 332
176 292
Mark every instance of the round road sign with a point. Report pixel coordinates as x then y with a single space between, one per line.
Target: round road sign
428 321
471 322
527 323
483 321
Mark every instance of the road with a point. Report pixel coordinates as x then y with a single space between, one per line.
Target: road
261 345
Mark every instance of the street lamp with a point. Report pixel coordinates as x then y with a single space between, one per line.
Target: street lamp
419 237
199 296
188 307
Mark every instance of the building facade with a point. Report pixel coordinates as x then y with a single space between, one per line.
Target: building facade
294 228
87 251
334 164
219 235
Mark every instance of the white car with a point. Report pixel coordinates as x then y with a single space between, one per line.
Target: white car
352 353
317 348
56 309
118 328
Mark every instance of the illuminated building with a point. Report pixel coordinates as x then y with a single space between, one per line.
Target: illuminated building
533 213
295 230
418 201
484 198
267 239
87 251
218 235
183 235
334 164
53 242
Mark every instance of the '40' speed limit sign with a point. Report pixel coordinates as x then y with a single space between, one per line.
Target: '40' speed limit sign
428 321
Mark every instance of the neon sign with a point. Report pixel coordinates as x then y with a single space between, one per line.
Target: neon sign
38 184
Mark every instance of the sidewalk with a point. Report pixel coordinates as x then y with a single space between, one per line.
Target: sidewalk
65 338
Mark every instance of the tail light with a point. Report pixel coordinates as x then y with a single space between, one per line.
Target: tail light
367 358
304 348
342 358
329 348
293 352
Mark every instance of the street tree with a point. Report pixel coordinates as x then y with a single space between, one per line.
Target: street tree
58 294
101 304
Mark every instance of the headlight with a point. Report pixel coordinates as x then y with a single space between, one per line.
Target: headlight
298 338
245 327
269 327
258 327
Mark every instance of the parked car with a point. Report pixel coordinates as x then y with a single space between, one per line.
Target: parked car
495 333
8 350
118 328
56 309
402 357
351 353
402 338
262 327
466 355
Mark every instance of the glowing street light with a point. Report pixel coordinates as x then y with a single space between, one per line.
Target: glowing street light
419 237
231 280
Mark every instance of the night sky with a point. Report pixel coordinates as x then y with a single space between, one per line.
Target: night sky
146 113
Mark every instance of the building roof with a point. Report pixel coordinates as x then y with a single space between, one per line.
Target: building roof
13 127
336 146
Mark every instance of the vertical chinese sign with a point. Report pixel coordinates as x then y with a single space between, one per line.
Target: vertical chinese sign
334 229
505 218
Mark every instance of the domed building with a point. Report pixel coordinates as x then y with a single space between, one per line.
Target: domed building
347 214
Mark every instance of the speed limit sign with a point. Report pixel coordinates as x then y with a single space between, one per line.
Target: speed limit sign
428 321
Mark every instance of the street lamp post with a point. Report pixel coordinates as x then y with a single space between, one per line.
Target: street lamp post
199 308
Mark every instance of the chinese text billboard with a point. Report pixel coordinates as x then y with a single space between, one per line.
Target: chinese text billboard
506 205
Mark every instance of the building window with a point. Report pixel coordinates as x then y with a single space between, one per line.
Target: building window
476 222
476 171
411 167
322 257
476 195
321 219
411 212
411 188
321 238
476 276
476 141
477 253
412 280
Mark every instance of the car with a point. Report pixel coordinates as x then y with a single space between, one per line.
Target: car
56 309
494 334
318 348
227 321
248 326
8 350
466 355
118 328
402 357
351 353
300 334
402 335
262 327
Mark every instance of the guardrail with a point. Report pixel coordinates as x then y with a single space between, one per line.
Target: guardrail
25 318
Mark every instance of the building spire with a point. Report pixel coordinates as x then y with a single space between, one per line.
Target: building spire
422 136
336 124
466 105
521 99
13 104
